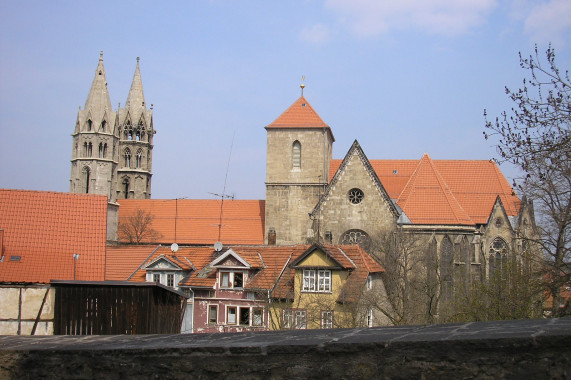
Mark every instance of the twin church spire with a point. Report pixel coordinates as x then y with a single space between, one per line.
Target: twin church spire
112 150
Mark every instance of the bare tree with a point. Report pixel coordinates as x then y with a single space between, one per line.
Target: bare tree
536 137
411 278
138 228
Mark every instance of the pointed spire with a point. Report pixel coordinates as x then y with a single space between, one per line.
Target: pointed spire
136 98
98 100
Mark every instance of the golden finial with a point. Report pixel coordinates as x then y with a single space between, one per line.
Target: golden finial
302 85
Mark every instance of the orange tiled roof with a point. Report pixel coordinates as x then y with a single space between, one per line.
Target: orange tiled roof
299 115
197 220
45 229
123 260
475 184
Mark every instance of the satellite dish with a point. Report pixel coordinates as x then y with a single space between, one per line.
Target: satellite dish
218 246
174 247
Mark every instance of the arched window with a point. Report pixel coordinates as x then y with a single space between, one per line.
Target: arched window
296 154
89 125
104 150
498 256
126 187
103 124
138 134
100 150
446 255
139 158
85 177
84 149
89 149
127 157
355 237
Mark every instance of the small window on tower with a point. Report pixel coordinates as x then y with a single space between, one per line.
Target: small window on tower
296 155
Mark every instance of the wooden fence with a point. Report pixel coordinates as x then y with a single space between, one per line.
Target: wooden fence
114 308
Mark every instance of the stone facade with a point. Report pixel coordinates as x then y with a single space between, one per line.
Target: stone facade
112 150
293 188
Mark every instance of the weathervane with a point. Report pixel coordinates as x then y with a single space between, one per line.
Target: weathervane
302 85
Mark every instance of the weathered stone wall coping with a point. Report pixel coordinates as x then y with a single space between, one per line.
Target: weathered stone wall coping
538 348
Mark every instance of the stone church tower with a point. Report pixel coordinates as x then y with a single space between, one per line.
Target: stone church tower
112 151
299 149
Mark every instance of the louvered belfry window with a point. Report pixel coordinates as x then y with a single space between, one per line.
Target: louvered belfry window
296 155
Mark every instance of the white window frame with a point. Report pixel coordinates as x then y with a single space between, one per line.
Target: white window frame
327 319
255 321
228 322
316 281
170 280
155 276
231 279
300 319
308 280
324 281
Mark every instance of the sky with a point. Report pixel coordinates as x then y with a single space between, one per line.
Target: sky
403 78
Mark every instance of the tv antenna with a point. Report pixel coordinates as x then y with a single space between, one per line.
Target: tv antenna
224 195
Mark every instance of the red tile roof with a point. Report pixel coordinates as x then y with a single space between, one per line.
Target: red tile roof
197 220
474 184
300 115
123 260
45 229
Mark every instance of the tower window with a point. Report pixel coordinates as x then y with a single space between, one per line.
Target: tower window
296 154
103 124
85 177
139 158
127 157
89 125
126 187
100 150
89 149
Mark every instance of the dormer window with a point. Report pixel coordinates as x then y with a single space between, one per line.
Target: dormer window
316 281
231 280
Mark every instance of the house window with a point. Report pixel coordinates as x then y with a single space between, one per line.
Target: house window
231 315
327 319
238 280
245 316
213 314
324 278
308 280
320 283
170 280
257 317
296 155
294 319
157 278
225 279
370 318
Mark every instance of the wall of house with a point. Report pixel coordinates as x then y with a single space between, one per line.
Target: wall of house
526 349
22 306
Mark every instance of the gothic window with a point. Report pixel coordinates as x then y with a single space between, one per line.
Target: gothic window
126 187
100 150
89 149
296 155
138 134
89 125
127 157
139 158
447 256
84 149
355 196
103 124
104 150
355 237
85 178
497 256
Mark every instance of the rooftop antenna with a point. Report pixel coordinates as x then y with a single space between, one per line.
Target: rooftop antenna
224 195
302 85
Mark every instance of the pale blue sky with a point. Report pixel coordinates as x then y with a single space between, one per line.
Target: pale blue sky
402 77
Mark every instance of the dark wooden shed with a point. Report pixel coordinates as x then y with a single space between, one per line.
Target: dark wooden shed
116 307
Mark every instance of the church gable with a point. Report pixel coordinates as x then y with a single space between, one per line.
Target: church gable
355 202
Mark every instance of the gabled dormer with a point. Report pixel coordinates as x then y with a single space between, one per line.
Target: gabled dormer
166 270
232 270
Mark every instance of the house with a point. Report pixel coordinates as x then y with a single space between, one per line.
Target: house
330 287
46 236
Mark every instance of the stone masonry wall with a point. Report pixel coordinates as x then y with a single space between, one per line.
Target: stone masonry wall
523 349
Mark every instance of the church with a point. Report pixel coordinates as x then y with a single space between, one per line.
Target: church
463 213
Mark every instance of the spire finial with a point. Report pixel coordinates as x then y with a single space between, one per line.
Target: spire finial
302 85
137 59
101 55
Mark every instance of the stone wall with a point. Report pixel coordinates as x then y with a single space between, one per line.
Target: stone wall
525 349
